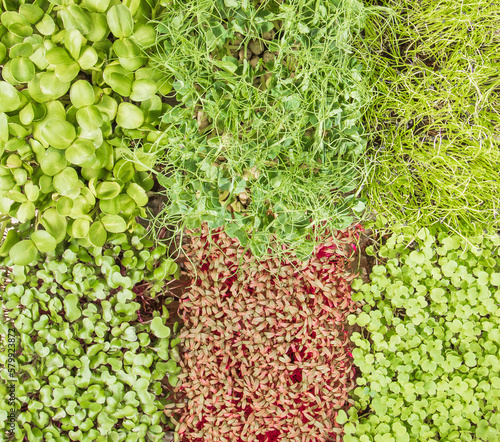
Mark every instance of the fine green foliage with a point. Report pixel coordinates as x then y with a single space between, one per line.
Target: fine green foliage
430 362
78 104
435 117
267 137
88 367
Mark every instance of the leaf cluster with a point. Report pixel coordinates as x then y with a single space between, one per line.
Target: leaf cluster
89 368
264 343
429 353
79 109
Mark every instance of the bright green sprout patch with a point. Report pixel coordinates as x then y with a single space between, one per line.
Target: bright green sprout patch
430 367
79 106
87 366
436 114
268 135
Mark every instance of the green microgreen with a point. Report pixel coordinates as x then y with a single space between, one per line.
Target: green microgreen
88 358
79 101
428 354
267 137
435 115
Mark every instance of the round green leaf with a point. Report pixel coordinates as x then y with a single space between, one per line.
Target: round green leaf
114 223
126 48
93 162
51 86
108 107
67 72
43 241
41 351
173 379
129 116
160 273
120 84
88 58
23 253
22 69
143 90
129 54
100 27
96 5
495 279
53 162
80 228
31 191
3 52
10 18
58 133
17 24
17 129
64 206
110 207
81 94
46 87
417 257
97 234
24 49
341 417
46 26
89 118
7 76
27 114
11 238
66 181
58 55
26 211
152 109
120 21
45 184
118 78
4 127
21 30
20 176
73 42
39 111
9 97
80 151
145 36
107 190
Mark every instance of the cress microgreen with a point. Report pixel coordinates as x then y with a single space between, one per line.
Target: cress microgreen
429 357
